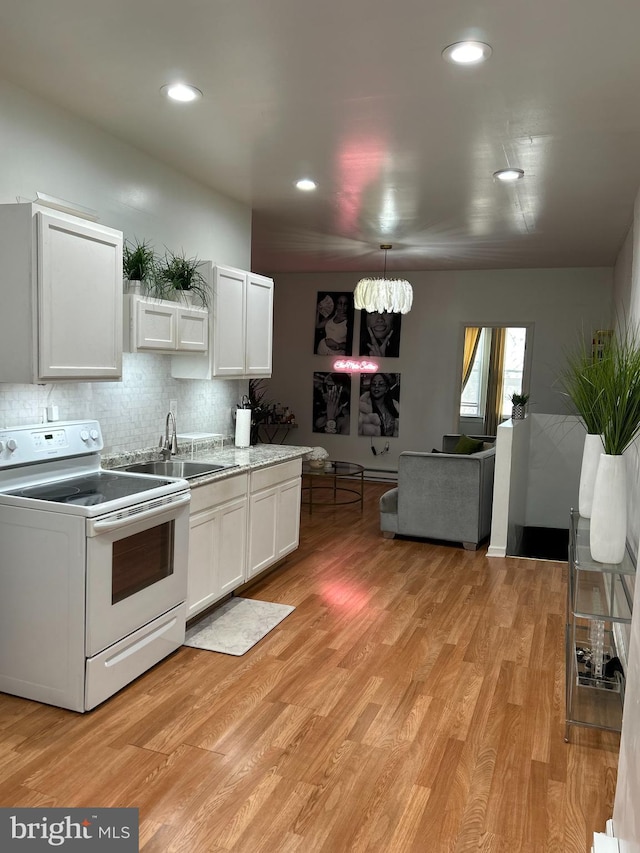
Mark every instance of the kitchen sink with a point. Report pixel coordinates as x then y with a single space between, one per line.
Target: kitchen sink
176 468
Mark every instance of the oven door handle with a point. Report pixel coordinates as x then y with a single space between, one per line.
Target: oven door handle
113 523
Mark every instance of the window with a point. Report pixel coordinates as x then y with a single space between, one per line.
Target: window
473 401
514 350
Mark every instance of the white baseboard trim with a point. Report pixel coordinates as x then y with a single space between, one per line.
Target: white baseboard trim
605 842
381 475
496 551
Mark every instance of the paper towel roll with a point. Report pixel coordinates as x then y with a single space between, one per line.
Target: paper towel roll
243 427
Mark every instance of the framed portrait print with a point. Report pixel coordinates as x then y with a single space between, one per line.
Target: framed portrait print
333 333
332 403
380 334
379 404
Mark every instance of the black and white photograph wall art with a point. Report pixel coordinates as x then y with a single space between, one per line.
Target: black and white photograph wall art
380 334
333 323
332 403
379 404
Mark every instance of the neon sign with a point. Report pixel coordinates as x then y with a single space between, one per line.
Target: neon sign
348 365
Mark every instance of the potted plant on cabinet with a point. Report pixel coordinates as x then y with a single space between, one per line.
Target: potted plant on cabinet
138 265
518 402
177 276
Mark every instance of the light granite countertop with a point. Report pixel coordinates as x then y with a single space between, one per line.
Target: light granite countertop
242 458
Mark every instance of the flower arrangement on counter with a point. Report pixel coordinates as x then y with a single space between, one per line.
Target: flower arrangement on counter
317 456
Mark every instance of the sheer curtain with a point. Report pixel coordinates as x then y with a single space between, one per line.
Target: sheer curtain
493 413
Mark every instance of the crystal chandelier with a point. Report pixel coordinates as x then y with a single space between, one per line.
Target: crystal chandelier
382 295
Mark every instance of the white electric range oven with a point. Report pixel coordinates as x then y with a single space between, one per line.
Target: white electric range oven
93 567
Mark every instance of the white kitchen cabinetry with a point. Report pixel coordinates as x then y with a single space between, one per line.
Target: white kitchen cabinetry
217 541
158 325
274 514
241 328
61 284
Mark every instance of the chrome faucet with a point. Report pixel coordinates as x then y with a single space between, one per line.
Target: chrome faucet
169 445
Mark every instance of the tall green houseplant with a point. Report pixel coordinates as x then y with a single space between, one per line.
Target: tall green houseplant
582 381
618 407
618 404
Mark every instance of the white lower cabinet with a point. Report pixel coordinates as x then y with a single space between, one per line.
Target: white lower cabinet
217 541
238 528
274 514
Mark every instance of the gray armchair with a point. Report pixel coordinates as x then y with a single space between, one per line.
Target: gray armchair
442 495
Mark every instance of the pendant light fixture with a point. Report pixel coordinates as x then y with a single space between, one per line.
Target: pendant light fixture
382 295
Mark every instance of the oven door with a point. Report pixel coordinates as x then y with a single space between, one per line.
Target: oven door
136 568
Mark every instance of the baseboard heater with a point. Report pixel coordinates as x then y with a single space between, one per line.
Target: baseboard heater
381 475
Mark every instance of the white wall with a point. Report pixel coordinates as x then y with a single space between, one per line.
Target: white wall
555 458
558 302
45 149
626 811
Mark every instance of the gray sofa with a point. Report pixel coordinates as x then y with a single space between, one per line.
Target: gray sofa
442 495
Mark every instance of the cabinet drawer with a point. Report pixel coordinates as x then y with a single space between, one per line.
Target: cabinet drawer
263 478
220 492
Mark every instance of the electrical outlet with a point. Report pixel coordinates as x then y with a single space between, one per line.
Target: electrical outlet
173 407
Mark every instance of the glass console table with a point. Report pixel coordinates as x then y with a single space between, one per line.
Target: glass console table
599 607
343 480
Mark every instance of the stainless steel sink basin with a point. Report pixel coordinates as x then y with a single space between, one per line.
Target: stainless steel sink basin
176 468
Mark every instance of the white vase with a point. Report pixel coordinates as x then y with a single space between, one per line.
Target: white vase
608 532
131 286
591 453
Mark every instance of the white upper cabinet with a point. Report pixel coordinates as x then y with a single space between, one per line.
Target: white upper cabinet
241 328
229 326
258 325
158 325
61 284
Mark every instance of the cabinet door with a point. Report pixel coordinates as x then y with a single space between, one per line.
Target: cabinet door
288 536
193 330
259 325
204 534
232 537
156 324
79 286
263 514
229 288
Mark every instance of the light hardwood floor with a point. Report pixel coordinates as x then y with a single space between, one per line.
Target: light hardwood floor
413 701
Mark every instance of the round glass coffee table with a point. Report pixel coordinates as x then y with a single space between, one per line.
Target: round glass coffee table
343 480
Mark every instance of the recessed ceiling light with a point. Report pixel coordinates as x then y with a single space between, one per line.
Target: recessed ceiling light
467 52
509 174
306 184
181 92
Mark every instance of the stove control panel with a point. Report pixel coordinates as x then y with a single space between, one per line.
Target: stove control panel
40 442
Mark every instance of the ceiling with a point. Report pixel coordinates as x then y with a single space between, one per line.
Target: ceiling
355 94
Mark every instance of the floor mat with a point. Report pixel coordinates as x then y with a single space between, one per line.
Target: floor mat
236 626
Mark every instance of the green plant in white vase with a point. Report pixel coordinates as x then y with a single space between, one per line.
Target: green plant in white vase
178 275
138 263
618 406
582 381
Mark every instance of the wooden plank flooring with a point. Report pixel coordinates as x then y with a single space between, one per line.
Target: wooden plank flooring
413 701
